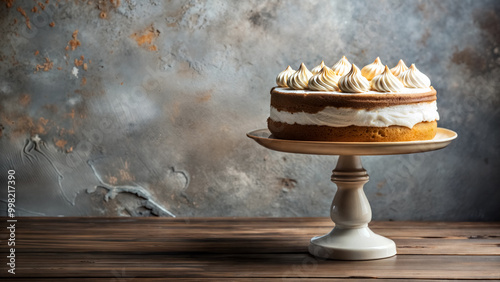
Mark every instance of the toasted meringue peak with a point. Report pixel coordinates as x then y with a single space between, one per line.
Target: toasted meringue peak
342 67
413 78
318 68
399 68
299 79
283 76
373 69
387 82
325 80
354 82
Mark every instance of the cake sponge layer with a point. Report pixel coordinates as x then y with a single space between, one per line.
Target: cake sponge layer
421 131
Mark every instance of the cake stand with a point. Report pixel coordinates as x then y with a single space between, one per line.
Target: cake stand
351 238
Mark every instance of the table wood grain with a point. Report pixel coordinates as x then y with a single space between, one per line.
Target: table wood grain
246 249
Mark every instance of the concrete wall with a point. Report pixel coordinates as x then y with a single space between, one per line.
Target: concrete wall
144 111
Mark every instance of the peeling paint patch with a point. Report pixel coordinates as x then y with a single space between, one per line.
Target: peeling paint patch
185 176
32 151
75 72
137 190
288 183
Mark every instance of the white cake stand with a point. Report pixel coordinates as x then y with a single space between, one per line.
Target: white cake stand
351 239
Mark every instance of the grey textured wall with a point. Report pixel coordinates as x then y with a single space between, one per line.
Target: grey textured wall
156 123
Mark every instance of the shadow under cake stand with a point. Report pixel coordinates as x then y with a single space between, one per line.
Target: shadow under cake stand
351 238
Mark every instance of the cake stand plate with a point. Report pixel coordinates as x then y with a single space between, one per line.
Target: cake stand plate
351 238
442 139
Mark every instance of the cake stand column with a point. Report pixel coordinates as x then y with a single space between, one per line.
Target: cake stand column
351 239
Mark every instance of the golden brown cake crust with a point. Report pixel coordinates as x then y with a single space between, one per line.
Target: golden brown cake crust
314 102
421 131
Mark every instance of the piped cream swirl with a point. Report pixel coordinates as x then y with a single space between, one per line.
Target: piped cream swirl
282 78
299 79
318 68
387 82
373 69
325 80
413 78
353 81
342 67
399 68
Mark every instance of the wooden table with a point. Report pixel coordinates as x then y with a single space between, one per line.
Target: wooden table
228 249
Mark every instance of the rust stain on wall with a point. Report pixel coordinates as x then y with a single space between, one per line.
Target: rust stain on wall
111 180
146 38
23 13
52 108
71 114
174 110
8 3
60 143
24 100
42 6
79 62
74 42
204 96
22 125
106 6
48 65
41 126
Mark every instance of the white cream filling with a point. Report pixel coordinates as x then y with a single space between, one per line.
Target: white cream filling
402 115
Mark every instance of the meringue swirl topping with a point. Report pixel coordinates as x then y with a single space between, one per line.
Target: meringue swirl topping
283 76
373 69
318 68
413 78
299 79
354 82
399 68
342 67
325 80
387 82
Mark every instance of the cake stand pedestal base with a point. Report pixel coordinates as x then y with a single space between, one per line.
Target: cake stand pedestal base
352 244
351 239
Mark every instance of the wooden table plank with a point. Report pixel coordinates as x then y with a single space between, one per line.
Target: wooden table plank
247 248
82 236
299 265
224 245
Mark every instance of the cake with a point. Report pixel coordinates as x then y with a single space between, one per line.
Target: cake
346 104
